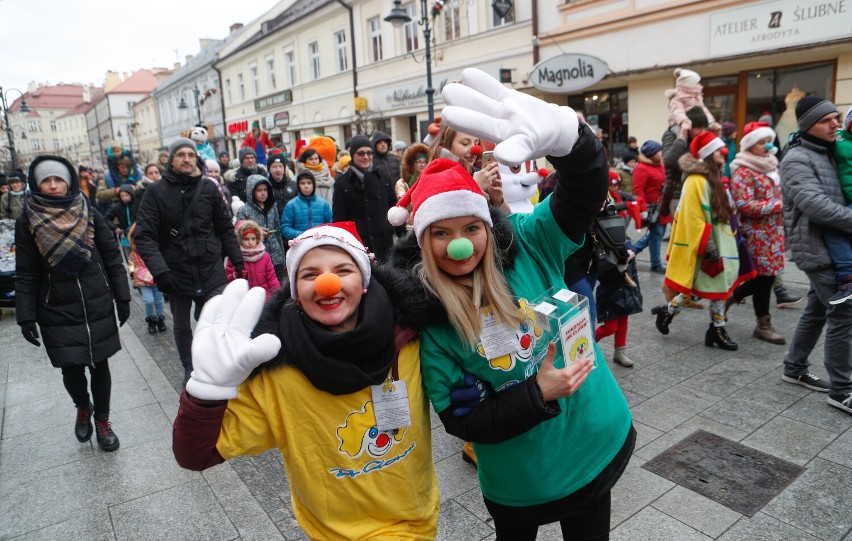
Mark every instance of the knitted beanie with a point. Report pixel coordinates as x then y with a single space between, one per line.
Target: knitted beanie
179 143
686 77
358 142
753 132
342 235
443 190
705 144
728 128
245 151
649 148
52 168
810 109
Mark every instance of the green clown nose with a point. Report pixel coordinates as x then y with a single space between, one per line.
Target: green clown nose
460 249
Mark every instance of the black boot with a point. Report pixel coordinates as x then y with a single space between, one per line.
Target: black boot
718 336
161 324
152 324
83 426
107 440
664 318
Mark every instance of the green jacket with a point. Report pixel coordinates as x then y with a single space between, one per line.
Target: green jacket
843 157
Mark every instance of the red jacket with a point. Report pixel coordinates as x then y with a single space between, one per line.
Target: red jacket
251 142
648 181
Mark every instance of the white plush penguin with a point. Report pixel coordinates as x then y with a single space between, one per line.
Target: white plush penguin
199 135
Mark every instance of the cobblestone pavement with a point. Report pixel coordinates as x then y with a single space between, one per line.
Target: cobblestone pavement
52 487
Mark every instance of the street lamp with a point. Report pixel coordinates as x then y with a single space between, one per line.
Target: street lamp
24 109
130 127
183 105
398 17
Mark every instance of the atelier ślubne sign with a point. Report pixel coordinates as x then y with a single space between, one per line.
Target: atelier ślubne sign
567 73
780 23
285 97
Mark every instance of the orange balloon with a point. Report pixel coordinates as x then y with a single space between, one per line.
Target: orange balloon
327 284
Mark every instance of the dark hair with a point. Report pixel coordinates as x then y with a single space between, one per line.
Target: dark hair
307 153
124 159
720 205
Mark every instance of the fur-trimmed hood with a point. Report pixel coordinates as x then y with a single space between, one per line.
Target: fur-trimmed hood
690 165
407 165
413 305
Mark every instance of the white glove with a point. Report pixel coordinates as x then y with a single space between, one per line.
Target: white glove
526 127
223 354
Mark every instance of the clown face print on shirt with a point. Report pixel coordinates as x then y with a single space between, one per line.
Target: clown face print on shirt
370 449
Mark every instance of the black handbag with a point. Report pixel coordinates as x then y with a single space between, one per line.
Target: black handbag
609 236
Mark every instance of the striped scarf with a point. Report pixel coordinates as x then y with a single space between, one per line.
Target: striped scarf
64 230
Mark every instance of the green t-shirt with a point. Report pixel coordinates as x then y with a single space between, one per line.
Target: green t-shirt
560 455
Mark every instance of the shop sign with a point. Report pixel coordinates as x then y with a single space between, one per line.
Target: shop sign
781 23
282 119
238 127
568 73
285 97
396 98
269 121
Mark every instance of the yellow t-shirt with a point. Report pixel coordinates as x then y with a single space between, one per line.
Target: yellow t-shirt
347 479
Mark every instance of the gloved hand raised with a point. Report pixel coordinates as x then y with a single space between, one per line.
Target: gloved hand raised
223 353
30 332
524 126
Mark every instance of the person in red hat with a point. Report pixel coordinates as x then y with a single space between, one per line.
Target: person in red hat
481 269
756 187
332 380
703 255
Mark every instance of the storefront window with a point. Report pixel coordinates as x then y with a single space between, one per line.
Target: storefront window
607 110
777 91
720 97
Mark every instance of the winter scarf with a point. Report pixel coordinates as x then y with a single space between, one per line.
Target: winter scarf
342 363
767 165
254 254
64 230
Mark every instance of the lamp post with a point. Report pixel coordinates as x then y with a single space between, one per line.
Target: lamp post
130 127
183 105
24 109
398 17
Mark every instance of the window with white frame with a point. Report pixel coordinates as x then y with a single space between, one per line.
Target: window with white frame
55 143
36 144
341 50
32 125
270 72
290 66
228 94
314 59
52 125
500 21
452 21
255 83
241 87
412 41
375 26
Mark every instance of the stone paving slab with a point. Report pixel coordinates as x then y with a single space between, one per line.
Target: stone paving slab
677 386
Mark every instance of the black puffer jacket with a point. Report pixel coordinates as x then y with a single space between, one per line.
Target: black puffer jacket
387 162
76 315
366 203
237 180
192 252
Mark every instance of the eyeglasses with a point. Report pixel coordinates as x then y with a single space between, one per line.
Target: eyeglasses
363 153
421 162
185 155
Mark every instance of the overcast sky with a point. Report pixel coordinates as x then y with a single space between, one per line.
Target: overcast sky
77 41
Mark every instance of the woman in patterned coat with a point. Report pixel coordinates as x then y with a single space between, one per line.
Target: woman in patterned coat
756 188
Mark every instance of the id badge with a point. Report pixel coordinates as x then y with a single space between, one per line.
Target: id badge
390 402
498 339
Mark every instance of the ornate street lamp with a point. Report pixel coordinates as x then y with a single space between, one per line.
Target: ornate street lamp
24 109
183 105
398 17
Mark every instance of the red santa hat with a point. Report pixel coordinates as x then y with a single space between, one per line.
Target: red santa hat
705 144
613 178
443 190
754 132
342 235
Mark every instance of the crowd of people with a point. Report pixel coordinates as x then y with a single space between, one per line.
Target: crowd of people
340 292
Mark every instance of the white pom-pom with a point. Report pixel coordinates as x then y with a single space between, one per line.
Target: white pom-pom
397 216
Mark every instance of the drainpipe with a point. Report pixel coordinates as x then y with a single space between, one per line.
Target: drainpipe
352 39
535 30
225 135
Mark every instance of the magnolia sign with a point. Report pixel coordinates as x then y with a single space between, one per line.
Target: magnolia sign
567 73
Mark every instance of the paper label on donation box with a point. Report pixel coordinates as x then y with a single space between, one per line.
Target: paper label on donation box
567 313
497 338
577 337
390 401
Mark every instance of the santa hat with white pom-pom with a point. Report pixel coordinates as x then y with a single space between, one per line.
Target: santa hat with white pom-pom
443 190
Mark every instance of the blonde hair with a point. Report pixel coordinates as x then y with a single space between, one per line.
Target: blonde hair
463 297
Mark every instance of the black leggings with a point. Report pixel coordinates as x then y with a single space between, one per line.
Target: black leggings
74 378
760 287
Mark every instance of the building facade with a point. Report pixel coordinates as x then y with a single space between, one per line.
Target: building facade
299 71
755 58
146 123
